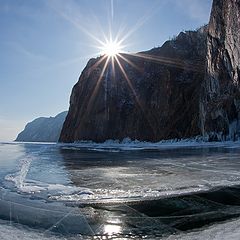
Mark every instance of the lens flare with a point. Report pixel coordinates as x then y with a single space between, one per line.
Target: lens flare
111 48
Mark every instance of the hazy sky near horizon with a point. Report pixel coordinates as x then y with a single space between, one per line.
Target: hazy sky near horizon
45 44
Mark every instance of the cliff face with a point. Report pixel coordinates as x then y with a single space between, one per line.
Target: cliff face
149 96
43 129
220 96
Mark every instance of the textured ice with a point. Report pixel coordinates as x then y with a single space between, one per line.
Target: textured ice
19 177
158 174
30 186
13 232
112 171
223 231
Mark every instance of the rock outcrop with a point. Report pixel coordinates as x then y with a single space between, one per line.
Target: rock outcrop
147 96
43 129
220 95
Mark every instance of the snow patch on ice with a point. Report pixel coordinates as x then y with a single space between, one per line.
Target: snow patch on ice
25 185
17 231
19 177
127 144
31 186
118 196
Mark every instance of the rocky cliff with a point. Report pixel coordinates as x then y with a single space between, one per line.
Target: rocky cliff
43 129
220 95
148 96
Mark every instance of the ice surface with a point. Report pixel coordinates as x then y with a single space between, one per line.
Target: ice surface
151 170
14 232
112 171
128 177
223 231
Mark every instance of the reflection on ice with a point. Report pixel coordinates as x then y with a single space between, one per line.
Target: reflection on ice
221 231
111 229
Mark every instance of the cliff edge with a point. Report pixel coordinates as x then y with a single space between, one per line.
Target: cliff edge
220 94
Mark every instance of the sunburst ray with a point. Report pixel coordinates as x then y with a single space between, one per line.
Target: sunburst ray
137 99
173 62
76 24
130 62
96 88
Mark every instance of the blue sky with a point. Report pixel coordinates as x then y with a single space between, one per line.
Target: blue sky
45 44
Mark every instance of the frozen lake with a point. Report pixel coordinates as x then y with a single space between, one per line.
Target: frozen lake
131 190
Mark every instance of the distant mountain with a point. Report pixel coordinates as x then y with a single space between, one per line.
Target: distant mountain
43 129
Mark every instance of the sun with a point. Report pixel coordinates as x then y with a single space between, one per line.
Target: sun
111 48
